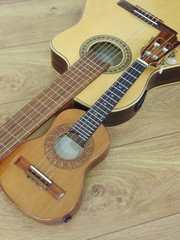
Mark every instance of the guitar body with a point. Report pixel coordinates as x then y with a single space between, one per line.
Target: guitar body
62 197
106 21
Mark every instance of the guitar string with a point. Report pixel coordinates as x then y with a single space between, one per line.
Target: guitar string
90 73
37 99
64 145
115 94
83 73
41 161
53 173
141 31
70 85
36 109
133 72
63 89
72 184
148 14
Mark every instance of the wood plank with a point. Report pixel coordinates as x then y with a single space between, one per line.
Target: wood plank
163 229
26 22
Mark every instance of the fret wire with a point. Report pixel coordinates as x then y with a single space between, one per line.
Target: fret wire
81 129
89 122
88 64
53 89
118 89
135 69
131 72
17 139
126 80
37 111
131 75
99 107
45 106
112 92
5 146
121 84
20 125
108 103
37 99
44 93
58 85
32 121
95 114
103 112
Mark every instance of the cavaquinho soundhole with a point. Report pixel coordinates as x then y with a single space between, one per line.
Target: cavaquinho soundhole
63 152
110 50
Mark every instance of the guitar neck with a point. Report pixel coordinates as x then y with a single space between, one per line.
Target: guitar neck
48 102
90 121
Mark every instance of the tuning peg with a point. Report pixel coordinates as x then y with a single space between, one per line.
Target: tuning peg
156 44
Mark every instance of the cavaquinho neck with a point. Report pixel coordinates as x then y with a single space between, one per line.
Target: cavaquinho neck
90 121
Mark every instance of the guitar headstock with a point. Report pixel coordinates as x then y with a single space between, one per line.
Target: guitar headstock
159 47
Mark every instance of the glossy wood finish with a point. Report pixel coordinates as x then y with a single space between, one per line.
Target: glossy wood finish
134 193
116 21
28 196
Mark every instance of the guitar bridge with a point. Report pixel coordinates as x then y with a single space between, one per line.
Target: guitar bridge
146 16
39 178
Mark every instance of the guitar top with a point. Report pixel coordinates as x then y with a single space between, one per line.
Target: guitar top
125 26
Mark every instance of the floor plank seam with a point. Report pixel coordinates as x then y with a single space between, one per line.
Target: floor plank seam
147 139
14 2
24 45
134 226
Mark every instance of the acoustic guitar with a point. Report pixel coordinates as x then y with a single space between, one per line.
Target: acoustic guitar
125 26
45 176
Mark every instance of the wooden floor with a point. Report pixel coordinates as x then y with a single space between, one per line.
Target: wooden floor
135 192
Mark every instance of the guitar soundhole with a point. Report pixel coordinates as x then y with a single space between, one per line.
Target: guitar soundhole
110 50
67 149
63 152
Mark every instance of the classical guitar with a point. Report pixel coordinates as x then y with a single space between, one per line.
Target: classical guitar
57 161
125 25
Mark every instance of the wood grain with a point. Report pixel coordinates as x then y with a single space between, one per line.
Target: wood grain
134 193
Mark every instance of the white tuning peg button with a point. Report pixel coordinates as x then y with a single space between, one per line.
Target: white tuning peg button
171 61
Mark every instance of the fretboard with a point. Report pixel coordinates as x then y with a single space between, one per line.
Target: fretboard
48 102
90 121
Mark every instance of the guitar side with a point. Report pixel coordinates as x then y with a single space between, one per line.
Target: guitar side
101 18
63 198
